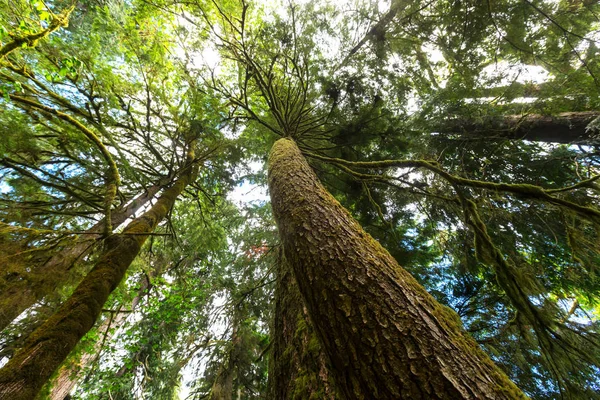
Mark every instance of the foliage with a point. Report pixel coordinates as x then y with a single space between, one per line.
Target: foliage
100 100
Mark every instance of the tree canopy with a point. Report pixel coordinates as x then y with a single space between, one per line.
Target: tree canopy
463 136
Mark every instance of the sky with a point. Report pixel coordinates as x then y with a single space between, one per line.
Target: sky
246 192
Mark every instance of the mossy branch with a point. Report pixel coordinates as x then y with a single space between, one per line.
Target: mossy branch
7 228
90 201
378 208
58 21
113 179
585 183
27 74
48 346
521 189
560 347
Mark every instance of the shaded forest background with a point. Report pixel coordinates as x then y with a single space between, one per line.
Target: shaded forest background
464 136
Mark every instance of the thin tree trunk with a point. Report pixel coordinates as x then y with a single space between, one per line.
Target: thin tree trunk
19 296
377 32
562 128
222 388
69 374
297 366
47 347
386 337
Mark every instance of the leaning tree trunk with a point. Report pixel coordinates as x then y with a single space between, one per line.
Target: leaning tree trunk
69 374
47 347
297 365
386 337
567 128
54 272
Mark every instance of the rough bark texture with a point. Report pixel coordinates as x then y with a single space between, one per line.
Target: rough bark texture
69 374
20 295
297 366
562 128
386 337
47 347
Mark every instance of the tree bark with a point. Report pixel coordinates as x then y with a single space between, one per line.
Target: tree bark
69 375
567 128
47 347
20 295
222 388
386 337
378 31
297 366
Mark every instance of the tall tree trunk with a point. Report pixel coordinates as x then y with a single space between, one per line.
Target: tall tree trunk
222 388
562 128
47 347
386 337
18 296
297 366
69 374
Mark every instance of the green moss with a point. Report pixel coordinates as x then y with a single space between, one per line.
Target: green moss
520 189
399 308
48 346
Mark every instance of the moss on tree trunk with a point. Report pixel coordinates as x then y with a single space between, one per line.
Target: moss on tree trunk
47 347
56 271
568 127
297 366
386 337
70 372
